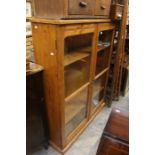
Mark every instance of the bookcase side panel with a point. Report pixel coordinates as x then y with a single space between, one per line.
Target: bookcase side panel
44 40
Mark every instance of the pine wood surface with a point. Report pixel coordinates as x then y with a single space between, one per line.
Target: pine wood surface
49 46
71 9
64 22
74 56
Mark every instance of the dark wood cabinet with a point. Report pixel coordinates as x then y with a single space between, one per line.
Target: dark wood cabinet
115 137
35 111
60 9
81 7
102 7
110 146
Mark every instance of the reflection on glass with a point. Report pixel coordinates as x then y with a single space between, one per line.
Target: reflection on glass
77 62
104 38
76 75
76 43
102 60
75 111
98 90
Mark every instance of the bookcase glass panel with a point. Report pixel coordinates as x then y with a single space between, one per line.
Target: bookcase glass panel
77 58
98 90
102 60
76 75
104 39
78 43
75 111
103 51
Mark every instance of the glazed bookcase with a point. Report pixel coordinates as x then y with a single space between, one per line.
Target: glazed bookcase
75 55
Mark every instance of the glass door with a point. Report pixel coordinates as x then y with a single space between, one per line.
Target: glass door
77 58
102 67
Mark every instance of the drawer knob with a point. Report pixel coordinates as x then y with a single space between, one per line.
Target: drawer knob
83 4
103 7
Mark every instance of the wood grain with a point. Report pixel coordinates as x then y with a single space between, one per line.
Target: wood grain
74 56
62 9
64 22
44 43
49 39
115 137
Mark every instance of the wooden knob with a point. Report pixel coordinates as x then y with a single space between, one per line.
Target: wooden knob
83 4
103 7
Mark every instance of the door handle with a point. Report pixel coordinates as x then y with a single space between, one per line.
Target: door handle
103 7
83 4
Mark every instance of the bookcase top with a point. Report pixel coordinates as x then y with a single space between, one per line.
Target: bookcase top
68 21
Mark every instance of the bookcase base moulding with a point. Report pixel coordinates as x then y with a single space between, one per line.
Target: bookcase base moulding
76 56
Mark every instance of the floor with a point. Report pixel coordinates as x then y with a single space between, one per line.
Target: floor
87 143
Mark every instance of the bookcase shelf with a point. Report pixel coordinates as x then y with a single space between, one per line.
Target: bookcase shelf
74 56
102 47
74 106
76 92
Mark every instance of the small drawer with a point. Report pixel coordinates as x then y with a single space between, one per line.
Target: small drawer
81 7
102 7
117 12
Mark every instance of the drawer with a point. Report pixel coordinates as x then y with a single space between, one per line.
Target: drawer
81 7
102 7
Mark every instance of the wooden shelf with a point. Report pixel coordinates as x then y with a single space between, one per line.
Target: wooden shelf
76 76
75 105
101 73
99 48
76 55
76 92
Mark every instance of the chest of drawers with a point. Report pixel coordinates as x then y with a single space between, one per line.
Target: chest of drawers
61 9
115 137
